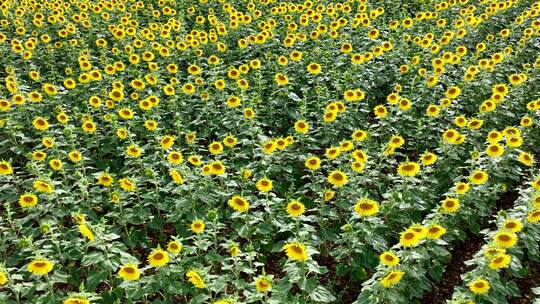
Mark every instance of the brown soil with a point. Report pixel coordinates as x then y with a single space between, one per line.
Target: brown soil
531 280
462 252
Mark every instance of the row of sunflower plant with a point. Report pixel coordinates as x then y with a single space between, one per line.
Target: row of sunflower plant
506 253
526 155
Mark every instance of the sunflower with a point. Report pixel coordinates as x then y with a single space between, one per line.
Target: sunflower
314 68
301 126
263 284
38 155
75 156
126 184
409 238
479 286
5 168
175 157
158 258
5 105
125 113
328 195
234 250
48 142
234 101
313 163
330 116
105 179
451 136
408 169
332 152
535 201
195 278
380 111
453 92
366 207
239 203
174 247
215 148
167 142
450 205
461 188
249 113
197 226
396 141
337 178
405 104
281 79
526 158
264 185
296 251
295 208
40 123
3 278
428 158
357 166
89 126
86 232
129 272
500 261
435 231
505 239
536 184
56 164
359 155
43 186
28 200
533 217
230 141
269 147
133 151
389 258
494 150
512 225
392 278
478 177
76 300
40 267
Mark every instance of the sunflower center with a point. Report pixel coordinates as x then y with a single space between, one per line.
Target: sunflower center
297 249
408 167
504 238
337 177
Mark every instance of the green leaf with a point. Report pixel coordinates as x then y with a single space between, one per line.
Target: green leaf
321 294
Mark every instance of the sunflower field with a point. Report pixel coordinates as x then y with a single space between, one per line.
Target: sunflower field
268 151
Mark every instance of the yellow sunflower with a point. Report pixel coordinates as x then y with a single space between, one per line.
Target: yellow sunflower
392 278
239 203
158 258
295 208
263 284
389 258
337 178
296 251
129 272
40 267
366 207
479 286
195 278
